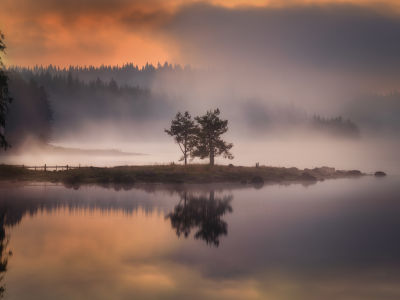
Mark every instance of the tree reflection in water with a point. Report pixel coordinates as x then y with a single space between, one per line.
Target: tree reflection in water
204 213
3 248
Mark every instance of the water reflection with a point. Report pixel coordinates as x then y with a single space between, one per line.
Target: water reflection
198 211
116 186
336 240
194 210
4 253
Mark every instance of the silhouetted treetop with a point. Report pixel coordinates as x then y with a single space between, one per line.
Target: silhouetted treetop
127 73
183 130
208 142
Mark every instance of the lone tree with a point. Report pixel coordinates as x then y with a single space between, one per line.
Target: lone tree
183 130
208 142
5 98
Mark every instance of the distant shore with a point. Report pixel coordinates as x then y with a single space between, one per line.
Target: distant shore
48 149
173 174
77 151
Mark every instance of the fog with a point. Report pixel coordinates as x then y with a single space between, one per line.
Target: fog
269 71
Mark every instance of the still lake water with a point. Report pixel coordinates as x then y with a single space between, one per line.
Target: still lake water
339 239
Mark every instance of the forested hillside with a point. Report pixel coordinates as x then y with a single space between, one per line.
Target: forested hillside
31 112
77 102
80 95
130 74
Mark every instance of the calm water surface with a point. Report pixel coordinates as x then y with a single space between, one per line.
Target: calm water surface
339 239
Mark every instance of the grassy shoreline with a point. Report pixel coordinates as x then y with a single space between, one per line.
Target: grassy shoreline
194 173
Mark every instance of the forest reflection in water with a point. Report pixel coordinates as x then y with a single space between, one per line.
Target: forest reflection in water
4 252
331 240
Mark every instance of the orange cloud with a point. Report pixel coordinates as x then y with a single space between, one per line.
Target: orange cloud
107 32
82 32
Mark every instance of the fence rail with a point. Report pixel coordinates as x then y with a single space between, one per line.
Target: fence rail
45 167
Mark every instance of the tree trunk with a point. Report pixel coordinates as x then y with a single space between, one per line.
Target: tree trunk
185 150
211 148
212 158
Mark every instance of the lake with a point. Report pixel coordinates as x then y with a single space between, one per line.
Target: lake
337 239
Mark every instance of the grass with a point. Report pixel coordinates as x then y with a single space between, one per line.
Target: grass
158 173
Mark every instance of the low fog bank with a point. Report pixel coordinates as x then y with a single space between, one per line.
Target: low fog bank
367 154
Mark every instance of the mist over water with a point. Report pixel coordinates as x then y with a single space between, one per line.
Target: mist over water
367 156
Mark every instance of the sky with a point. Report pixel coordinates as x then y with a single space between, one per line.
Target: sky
203 34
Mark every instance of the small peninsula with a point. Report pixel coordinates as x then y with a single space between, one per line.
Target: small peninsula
173 174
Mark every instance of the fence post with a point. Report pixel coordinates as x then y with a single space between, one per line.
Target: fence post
79 166
67 167
35 168
22 166
45 167
56 167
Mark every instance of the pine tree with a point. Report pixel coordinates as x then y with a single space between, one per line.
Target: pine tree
208 142
183 130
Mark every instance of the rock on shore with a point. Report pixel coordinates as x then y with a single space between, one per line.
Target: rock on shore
380 174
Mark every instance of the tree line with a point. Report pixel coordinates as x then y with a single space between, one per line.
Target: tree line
126 73
127 69
32 113
378 113
337 126
66 83
97 100
264 116
200 137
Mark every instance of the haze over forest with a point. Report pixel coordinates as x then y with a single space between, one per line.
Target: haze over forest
301 84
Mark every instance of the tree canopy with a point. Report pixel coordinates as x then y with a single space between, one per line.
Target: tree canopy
208 142
183 130
5 98
203 139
